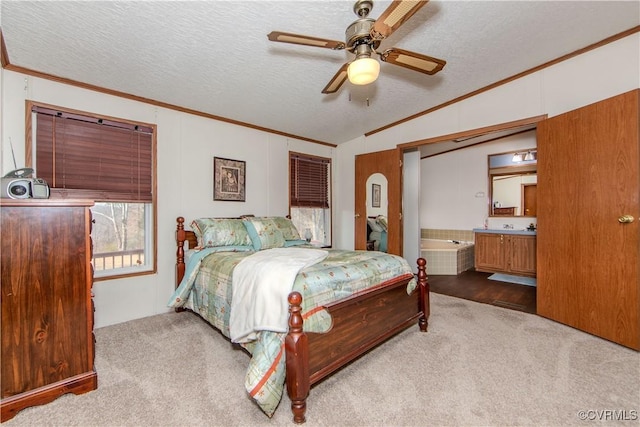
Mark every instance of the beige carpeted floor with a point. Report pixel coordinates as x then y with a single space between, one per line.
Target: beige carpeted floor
477 365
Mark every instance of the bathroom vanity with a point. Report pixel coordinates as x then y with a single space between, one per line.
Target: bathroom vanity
506 251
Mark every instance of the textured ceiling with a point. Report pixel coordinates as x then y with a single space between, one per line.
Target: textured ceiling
214 56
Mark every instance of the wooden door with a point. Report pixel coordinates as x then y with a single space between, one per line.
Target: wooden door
389 164
588 178
529 199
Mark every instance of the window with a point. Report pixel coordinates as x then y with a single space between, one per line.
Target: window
309 195
120 237
110 161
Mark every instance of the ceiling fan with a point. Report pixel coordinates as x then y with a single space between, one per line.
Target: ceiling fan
363 37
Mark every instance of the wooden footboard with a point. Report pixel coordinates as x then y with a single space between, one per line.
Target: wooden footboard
359 323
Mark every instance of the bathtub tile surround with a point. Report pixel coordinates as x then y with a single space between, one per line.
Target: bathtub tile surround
445 257
439 262
451 260
466 259
460 235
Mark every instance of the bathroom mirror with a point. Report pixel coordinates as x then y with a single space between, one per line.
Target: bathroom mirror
377 206
513 183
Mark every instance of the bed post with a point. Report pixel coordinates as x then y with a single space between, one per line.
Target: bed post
180 238
424 304
180 267
297 354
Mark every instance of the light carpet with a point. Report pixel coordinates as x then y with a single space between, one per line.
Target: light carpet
478 365
510 278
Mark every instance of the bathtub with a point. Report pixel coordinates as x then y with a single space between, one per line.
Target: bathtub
447 257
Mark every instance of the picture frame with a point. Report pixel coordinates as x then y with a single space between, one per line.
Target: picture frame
375 195
229 179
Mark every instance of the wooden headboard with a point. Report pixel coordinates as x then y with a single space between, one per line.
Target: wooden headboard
183 235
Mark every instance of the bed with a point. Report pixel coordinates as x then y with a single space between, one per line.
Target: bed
328 323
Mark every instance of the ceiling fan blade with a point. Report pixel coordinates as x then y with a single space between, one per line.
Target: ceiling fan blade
337 80
394 16
277 36
413 61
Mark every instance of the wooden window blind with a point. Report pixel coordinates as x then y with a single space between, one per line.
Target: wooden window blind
309 181
86 157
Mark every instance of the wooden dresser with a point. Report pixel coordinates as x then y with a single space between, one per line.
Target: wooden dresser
47 308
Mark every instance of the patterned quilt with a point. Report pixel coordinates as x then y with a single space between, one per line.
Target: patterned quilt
206 289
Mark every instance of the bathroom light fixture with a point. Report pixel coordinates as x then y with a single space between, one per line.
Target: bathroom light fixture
364 69
517 157
529 156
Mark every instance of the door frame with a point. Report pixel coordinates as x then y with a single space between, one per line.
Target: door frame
389 164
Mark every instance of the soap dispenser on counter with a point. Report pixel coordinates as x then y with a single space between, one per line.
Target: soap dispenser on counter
531 227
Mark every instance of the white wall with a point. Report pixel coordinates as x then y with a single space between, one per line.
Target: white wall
455 186
186 147
593 76
411 208
185 184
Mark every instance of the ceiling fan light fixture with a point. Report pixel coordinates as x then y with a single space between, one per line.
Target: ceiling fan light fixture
363 71
362 38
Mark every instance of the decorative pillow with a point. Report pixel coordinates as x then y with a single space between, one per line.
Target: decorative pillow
285 225
263 233
382 221
213 232
373 224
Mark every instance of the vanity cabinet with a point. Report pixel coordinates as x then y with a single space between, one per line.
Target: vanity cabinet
505 253
489 252
522 255
47 307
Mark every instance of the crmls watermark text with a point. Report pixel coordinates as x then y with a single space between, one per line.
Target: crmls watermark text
608 415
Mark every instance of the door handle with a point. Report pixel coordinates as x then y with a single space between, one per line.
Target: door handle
357 215
625 219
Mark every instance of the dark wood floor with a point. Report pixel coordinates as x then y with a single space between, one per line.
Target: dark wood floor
476 286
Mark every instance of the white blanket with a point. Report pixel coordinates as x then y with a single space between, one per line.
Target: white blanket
261 284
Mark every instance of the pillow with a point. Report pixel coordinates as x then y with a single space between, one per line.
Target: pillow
373 224
214 232
285 225
382 221
263 233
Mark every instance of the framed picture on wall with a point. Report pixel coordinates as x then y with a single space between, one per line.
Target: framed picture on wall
229 180
375 195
